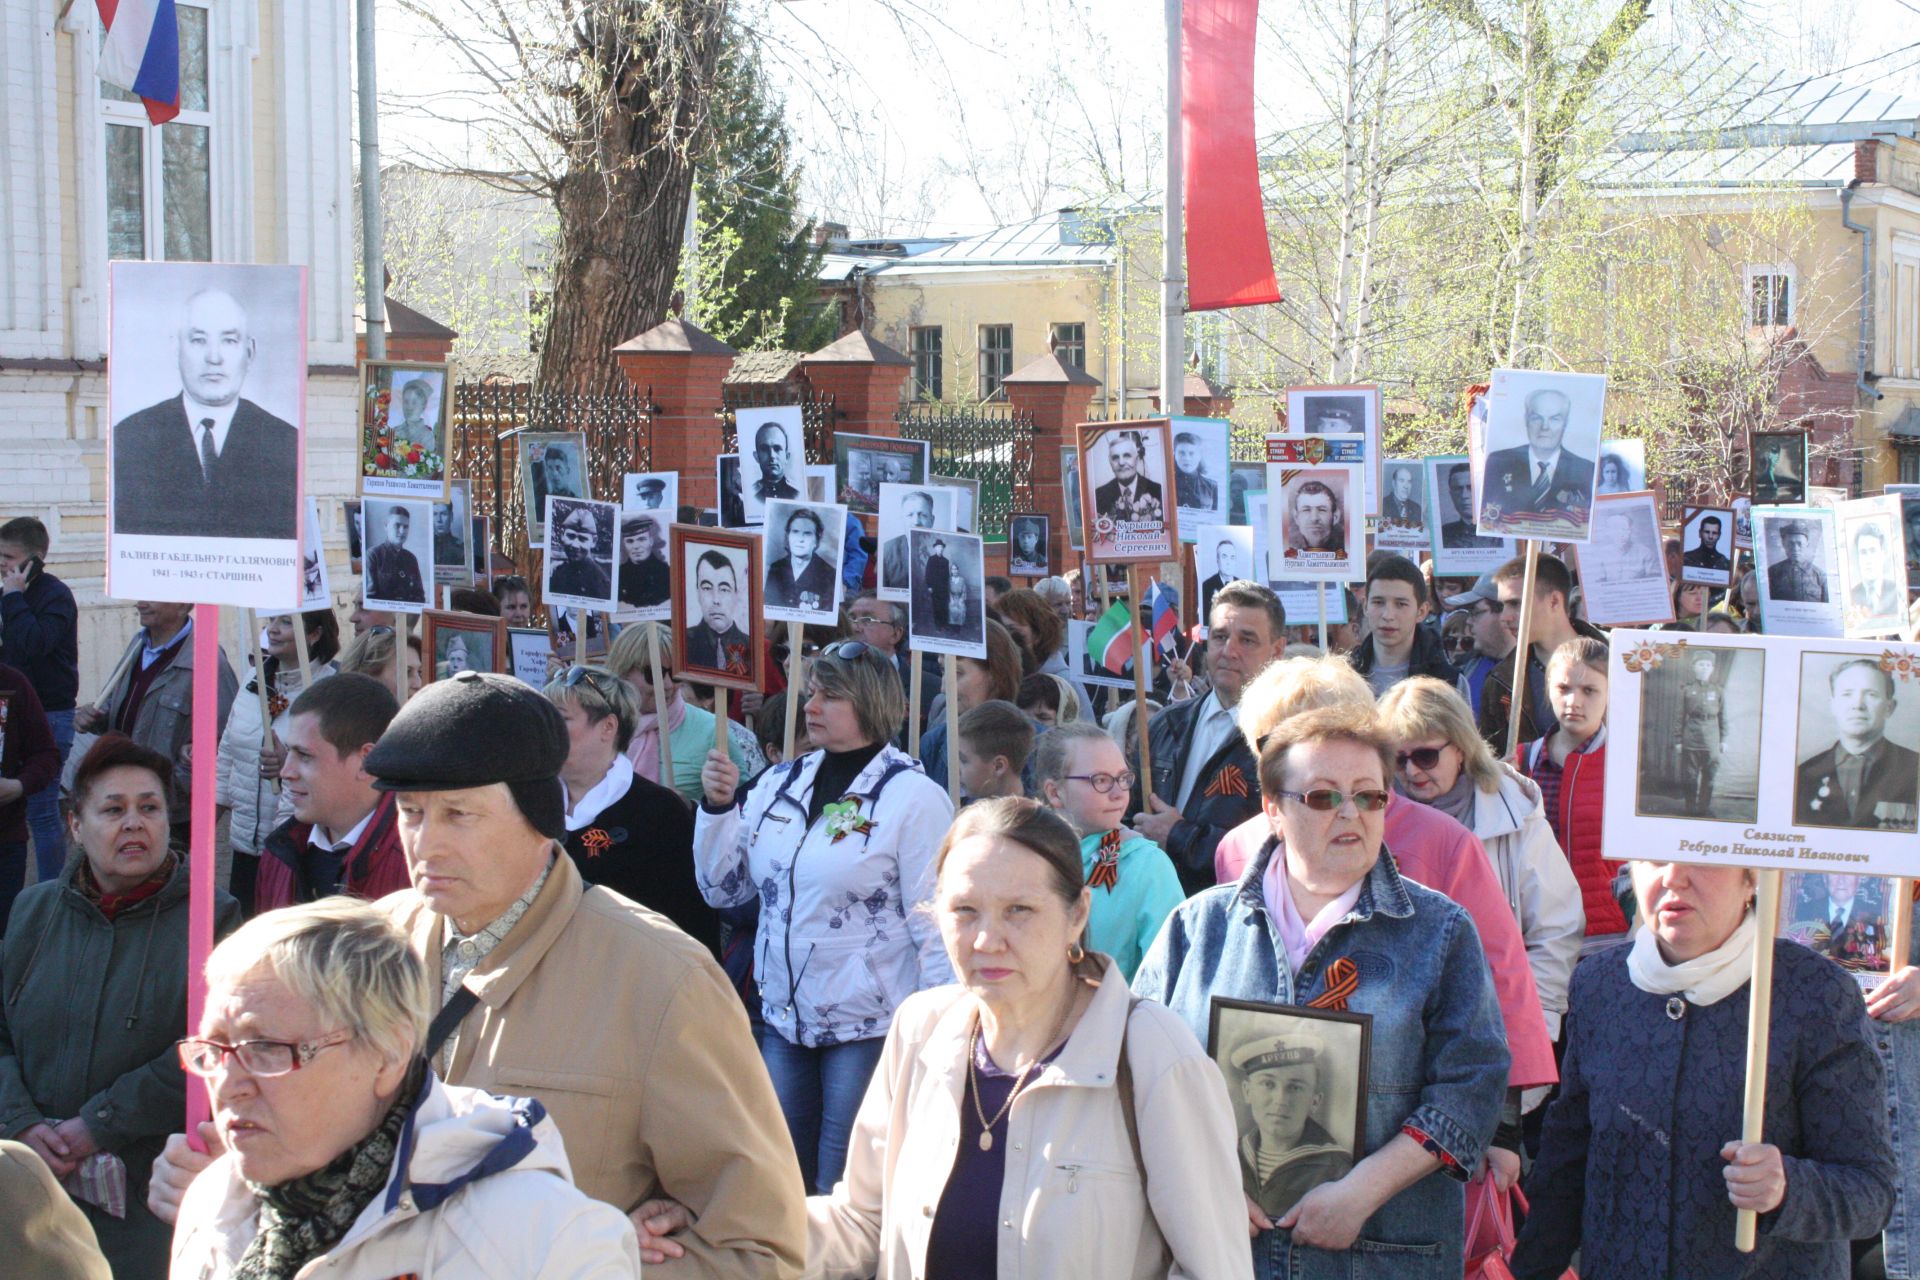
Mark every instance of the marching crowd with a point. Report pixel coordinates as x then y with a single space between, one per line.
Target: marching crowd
501 993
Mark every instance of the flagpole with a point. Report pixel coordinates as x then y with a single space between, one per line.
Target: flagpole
372 221
1173 281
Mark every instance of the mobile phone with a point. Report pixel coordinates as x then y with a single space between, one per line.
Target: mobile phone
33 566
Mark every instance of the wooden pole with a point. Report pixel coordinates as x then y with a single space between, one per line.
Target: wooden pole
915 687
1323 615
201 863
720 720
1141 660
260 686
951 675
400 657
1759 1013
656 636
1521 656
1900 927
581 621
300 649
794 662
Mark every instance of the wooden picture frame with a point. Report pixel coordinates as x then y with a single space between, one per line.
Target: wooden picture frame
1105 544
439 626
734 658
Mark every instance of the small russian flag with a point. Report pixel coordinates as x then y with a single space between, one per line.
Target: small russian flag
141 53
1165 605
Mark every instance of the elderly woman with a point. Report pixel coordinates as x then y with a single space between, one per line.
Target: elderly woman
625 832
1641 1165
838 847
1441 760
93 992
995 680
345 1156
1033 1119
1323 917
689 729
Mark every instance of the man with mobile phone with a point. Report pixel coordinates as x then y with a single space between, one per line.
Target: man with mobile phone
39 637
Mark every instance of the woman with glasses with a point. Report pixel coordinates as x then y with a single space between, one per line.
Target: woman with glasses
93 993
837 846
1323 917
345 1156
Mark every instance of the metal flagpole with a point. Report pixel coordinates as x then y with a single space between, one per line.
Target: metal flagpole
372 221
1173 274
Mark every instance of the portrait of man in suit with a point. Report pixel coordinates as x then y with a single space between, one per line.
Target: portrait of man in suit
1705 552
1400 507
393 572
207 462
1128 495
1540 477
916 512
1843 917
717 642
1876 590
1862 779
1228 566
1796 577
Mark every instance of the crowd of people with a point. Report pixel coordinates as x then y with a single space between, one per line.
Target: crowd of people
538 982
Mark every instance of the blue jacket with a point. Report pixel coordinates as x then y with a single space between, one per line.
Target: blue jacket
1899 1045
40 637
1630 1172
1437 1060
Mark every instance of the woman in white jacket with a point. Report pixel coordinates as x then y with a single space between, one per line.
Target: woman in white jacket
837 845
344 1156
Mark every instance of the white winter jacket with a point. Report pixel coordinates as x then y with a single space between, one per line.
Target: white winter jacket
1538 882
481 1190
255 801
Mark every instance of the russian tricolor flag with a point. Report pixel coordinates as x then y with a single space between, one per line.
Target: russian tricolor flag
142 53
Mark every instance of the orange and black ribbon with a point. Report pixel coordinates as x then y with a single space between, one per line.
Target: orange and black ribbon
595 841
1343 979
1230 781
1106 868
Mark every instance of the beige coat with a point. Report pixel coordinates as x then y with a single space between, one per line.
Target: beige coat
1072 1204
630 1034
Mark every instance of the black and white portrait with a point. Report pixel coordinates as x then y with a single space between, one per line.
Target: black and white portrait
459 642
1798 577
1403 508
1125 471
1742 523
1316 533
399 553
1543 437
1780 467
1706 546
903 508
861 464
1855 745
716 609
1202 460
1334 411
552 464
805 541
563 640
1224 555
1910 521
578 565
772 455
947 603
726 479
1700 723
657 491
406 424
481 540
1028 550
350 514
1623 467
1297 1077
1458 546
452 557
1244 478
315 586
1623 573
644 580
1070 486
1873 574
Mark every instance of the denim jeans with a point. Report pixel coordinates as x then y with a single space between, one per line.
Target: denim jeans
13 877
43 806
820 1092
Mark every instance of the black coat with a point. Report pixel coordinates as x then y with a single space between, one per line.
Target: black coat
1427 658
1225 794
784 592
646 583
641 847
158 487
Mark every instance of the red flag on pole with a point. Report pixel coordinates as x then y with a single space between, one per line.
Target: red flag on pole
1229 263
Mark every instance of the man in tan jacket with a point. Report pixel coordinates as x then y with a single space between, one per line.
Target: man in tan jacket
619 1023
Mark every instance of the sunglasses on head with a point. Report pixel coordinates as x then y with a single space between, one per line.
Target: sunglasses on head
577 676
849 650
1420 757
1326 799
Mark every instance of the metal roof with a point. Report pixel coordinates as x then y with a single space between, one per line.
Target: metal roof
1057 237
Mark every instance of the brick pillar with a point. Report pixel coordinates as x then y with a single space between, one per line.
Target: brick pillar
865 378
684 368
1056 393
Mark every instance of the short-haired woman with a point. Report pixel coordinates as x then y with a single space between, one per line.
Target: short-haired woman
625 832
837 845
1049 700
1324 916
995 680
1641 1165
1038 629
689 729
345 1156
93 992
1034 1119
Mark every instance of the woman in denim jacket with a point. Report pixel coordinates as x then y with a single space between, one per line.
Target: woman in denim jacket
1322 916
1894 1008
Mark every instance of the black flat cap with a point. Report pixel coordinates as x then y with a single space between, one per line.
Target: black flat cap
472 730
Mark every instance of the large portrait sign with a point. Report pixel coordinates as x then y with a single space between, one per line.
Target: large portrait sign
1542 441
551 464
1339 411
805 547
206 401
1873 565
1688 779
861 464
398 540
1306 603
1029 550
406 425
947 605
1780 468
1623 572
1403 508
905 507
1459 548
718 629
452 534
1797 570
1706 546
1202 467
1623 467
772 458
578 566
457 642
1843 916
1316 533
1127 508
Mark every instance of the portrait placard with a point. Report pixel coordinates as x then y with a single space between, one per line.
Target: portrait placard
819 482
1297 1077
1126 510
1403 508
947 604
1224 555
1797 571
560 632
1338 410
1092 672
1314 531
1301 600
1623 467
1244 478
1543 435
316 585
966 501
773 451
657 492
1780 468
805 543
717 623
1029 548
1070 491
644 576
726 480
1910 521
398 539
551 463
861 464
1202 471
1706 546
1623 573
457 642
1742 523
452 530
406 429
1844 917
528 649
577 568
356 525
904 507
205 433
1688 780
1873 559
1459 548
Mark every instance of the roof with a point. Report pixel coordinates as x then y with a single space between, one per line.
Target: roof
679 336
763 367
1051 369
1060 237
857 347
1907 425
404 322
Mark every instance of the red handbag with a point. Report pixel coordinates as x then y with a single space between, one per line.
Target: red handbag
1490 1231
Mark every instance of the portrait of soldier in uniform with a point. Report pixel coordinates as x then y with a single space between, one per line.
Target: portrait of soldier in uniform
393 571
1703 736
580 555
1284 1151
1796 576
1851 773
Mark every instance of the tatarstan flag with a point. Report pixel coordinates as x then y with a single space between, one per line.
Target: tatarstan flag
1110 642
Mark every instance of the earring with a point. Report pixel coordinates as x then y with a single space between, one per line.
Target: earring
1075 953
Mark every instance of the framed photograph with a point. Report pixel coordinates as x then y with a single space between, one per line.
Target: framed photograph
861 464
1244 478
1623 571
1459 548
904 507
560 632
406 429
1070 489
1742 523
644 577
966 501
552 463
819 482
316 588
717 621
805 543
1302 601
1029 548
1820 495
773 450
1092 672
1297 1077
1855 743
1223 555
1202 470
1351 410
206 412
528 649
351 516
1780 468
657 492
1910 521
1403 508
1706 546
457 642
1873 560
1794 552
399 541
1700 725
1315 533
452 530
1623 467
1125 512
947 605
578 566
1842 917
482 543
1543 437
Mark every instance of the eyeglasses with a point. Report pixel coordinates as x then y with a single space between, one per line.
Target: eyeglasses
1457 644
869 619
577 676
1422 758
263 1058
1104 783
1326 799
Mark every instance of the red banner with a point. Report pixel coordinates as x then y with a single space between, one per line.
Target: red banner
1229 263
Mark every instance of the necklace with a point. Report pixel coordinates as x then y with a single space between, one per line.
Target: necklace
1020 1081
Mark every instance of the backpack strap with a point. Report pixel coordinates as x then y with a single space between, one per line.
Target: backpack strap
1123 1083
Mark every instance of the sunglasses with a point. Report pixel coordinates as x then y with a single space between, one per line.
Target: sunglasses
1422 758
1457 644
850 650
577 676
1326 799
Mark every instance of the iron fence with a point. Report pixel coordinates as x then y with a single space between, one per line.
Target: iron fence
817 414
990 443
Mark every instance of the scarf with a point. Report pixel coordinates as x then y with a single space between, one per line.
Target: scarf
645 748
303 1218
1703 980
1459 803
112 904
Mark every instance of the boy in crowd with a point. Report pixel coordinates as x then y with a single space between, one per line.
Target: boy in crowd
995 740
1396 645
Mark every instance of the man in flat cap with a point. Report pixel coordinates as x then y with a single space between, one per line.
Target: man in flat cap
1285 1152
1797 577
624 1027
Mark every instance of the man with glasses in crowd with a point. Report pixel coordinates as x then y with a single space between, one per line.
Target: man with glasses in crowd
1489 640
882 624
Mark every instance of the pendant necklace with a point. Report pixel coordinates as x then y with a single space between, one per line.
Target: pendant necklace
1019 1083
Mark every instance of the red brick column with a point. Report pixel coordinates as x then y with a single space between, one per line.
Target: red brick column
1056 394
684 368
865 378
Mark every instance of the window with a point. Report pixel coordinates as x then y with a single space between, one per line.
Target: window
1070 344
1770 296
924 346
996 358
1909 466
1903 337
160 177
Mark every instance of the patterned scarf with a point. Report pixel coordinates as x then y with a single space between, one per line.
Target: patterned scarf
303 1218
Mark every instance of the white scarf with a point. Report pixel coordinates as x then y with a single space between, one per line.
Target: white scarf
1705 979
